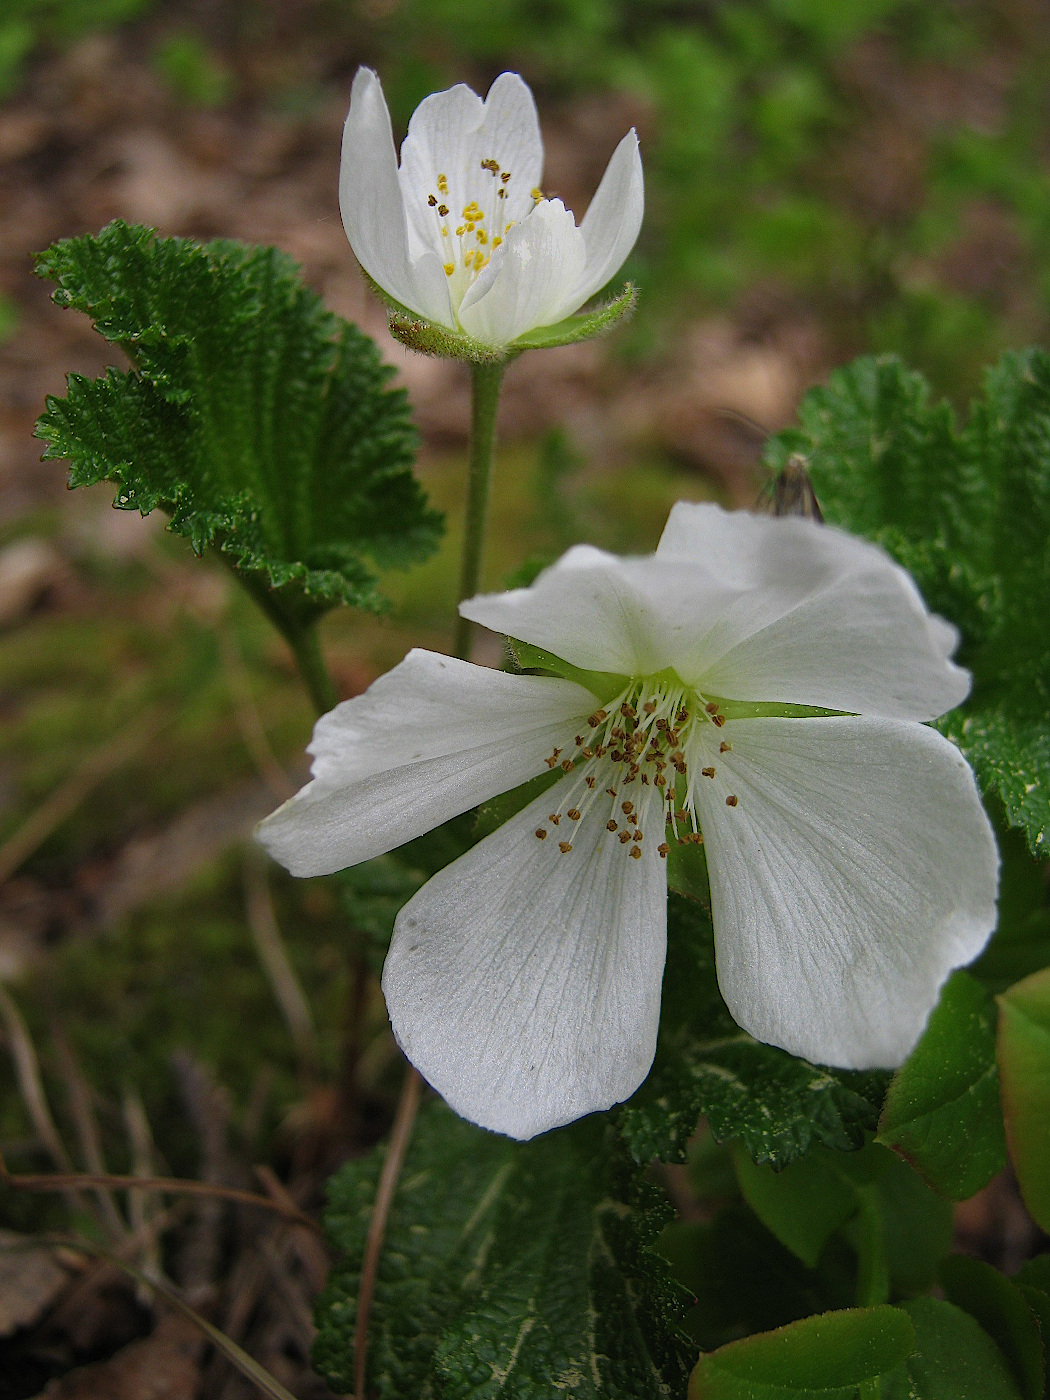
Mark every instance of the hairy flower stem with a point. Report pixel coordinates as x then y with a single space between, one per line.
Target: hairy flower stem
306 648
486 378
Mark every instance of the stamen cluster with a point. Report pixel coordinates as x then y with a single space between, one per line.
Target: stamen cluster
650 734
480 223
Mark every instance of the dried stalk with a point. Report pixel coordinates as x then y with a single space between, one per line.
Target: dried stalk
83 1115
400 1135
277 965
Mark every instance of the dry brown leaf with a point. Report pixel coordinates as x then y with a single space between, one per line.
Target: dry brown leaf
162 1366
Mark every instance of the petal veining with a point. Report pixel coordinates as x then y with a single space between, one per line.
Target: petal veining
428 740
531 279
819 618
373 211
523 982
612 222
605 613
852 871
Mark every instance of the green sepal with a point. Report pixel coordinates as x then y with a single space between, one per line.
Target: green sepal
603 685
262 424
942 1110
828 1356
584 325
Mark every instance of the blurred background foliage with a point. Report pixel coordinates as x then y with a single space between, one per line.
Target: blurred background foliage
882 160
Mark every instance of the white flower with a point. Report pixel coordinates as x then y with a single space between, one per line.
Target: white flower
852 866
461 234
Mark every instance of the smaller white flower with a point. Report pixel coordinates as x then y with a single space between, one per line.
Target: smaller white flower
852 865
460 233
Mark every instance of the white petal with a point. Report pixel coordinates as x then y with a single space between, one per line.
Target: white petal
856 871
820 618
605 613
373 211
532 279
610 226
430 739
451 133
524 984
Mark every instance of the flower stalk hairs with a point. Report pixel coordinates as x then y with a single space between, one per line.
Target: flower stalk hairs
459 238
757 684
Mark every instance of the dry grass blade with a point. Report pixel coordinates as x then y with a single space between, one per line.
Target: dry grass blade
400 1136
141 1209
69 794
173 1185
83 1115
269 1385
277 965
311 1252
30 1084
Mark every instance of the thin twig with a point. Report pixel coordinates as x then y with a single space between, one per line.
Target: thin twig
83 1115
277 965
176 1186
400 1135
69 794
248 1367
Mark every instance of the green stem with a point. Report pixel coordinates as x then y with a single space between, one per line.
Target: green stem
306 648
486 379
873 1281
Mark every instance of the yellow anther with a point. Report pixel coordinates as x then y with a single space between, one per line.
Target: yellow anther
482 236
461 230
537 194
505 176
449 269
443 184
497 241
473 211
501 193
444 233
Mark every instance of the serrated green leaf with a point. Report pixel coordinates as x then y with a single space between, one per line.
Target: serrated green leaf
263 425
1024 1067
1000 1308
775 1104
967 511
942 1109
953 1358
509 1270
827 1356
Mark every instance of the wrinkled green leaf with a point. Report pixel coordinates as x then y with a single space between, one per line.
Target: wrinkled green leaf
828 1356
263 425
1024 1066
954 1359
775 1104
1000 1308
942 1109
967 511
509 1270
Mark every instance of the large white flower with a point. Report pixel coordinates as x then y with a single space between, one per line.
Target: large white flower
852 866
461 234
